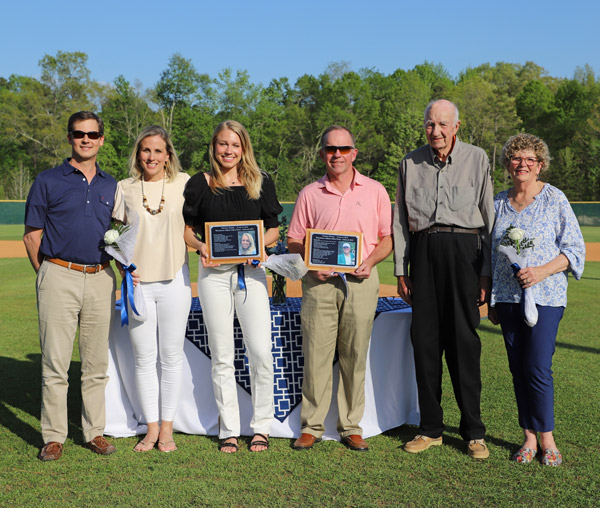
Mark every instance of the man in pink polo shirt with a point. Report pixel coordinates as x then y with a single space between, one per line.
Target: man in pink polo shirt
333 313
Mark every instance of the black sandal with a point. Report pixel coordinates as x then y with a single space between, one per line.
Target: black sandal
260 442
224 444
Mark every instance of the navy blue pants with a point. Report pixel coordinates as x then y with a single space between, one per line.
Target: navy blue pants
530 353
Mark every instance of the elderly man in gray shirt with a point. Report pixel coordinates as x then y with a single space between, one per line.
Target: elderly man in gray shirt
443 218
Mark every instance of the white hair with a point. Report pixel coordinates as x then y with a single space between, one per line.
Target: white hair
429 106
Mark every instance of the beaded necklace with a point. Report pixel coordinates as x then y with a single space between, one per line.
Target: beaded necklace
162 199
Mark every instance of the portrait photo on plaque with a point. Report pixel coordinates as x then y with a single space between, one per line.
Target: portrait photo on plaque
235 241
340 251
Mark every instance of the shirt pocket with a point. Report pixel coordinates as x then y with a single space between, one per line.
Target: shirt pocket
104 208
422 200
461 198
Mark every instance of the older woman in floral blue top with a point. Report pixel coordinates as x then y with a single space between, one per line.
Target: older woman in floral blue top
544 214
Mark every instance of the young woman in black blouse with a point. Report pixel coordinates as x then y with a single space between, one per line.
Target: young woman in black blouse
235 189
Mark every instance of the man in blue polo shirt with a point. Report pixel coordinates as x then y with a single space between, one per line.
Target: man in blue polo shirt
68 211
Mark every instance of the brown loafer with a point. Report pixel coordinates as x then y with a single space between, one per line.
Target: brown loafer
51 451
305 442
101 446
355 442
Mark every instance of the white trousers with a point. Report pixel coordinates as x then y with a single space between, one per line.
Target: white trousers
161 337
220 296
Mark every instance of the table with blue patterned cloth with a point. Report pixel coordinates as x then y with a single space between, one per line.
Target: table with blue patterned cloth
288 360
390 390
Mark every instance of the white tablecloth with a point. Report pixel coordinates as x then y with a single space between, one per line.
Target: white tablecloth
390 390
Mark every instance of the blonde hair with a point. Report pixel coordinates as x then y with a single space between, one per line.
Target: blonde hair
249 173
524 141
252 246
172 165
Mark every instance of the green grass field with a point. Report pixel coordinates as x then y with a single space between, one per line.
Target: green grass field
329 475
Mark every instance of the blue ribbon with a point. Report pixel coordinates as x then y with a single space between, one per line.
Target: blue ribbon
242 277
126 294
515 268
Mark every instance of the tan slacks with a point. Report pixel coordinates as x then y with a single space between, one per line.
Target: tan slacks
67 298
330 320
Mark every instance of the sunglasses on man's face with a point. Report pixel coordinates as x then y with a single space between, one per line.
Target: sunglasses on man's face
344 150
82 134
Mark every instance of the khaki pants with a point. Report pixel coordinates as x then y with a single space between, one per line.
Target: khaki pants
67 298
330 320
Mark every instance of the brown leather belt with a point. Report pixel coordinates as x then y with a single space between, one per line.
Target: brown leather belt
449 229
80 268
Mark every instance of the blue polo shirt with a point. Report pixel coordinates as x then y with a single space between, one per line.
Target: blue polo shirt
73 213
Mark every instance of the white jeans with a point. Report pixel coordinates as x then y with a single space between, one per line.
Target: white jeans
161 336
219 295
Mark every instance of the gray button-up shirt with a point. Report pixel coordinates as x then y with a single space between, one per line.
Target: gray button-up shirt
457 192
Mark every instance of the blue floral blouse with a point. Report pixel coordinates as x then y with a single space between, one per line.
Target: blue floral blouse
551 221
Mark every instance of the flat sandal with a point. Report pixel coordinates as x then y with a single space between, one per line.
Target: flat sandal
552 457
524 455
224 444
263 441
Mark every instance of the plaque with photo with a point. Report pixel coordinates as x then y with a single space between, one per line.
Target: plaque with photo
235 241
340 251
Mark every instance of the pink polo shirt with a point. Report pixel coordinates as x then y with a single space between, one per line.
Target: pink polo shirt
364 208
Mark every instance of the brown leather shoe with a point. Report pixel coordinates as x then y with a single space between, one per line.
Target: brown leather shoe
51 451
355 442
305 442
101 446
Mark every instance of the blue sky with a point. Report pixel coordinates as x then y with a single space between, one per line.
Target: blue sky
272 39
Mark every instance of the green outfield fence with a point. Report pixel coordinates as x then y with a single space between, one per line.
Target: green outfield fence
588 213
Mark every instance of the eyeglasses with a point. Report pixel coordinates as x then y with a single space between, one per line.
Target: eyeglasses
529 161
81 134
344 150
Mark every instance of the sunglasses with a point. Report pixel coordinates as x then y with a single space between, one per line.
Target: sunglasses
81 134
344 150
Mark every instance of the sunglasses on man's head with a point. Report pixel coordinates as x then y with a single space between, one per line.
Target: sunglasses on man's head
82 134
344 150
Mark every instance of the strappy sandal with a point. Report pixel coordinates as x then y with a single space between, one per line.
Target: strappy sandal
224 444
144 444
264 441
167 446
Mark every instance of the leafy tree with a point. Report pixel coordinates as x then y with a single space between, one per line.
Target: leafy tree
125 112
178 85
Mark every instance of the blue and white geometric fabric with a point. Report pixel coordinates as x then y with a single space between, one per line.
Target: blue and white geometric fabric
286 336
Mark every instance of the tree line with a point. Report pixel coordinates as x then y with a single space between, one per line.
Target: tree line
285 120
